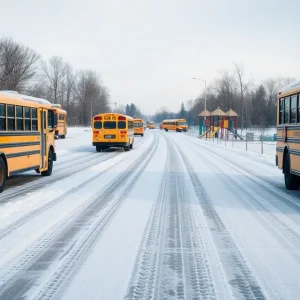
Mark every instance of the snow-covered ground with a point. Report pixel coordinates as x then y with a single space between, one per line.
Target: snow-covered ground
175 218
265 145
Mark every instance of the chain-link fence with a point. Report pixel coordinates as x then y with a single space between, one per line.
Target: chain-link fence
251 141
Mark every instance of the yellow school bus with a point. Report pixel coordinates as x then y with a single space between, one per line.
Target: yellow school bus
27 127
112 130
151 125
138 127
175 124
61 129
288 134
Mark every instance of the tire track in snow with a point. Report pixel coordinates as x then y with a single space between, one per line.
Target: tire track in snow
288 198
171 263
65 246
240 276
284 232
42 181
280 200
62 173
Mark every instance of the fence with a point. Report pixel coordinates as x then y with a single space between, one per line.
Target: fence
254 142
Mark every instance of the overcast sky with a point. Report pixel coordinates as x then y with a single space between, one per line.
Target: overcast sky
147 51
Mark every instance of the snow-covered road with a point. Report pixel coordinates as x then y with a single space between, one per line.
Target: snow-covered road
175 218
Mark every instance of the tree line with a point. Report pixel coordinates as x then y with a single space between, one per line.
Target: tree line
255 103
80 92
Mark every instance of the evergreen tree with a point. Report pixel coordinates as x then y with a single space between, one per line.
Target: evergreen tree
127 110
182 112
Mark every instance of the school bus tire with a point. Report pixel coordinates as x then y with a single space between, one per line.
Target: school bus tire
2 174
131 146
99 148
127 148
142 135
292 182
63 136
48 172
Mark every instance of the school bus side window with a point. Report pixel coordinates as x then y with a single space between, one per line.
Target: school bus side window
19 117
11 117
286 109
27 118
281 110
293 115
34 119
130 124
2 117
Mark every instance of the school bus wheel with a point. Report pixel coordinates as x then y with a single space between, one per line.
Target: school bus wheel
2 175
291 181
48 172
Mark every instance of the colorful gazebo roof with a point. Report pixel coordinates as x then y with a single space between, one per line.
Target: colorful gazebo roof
218 112
204 113
231 113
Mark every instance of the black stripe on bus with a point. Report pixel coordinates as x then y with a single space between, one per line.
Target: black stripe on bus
23 170
11 155
290 139
279 149
20 133
288 126
295 152
12 145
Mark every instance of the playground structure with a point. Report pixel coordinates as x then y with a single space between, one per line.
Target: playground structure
211 124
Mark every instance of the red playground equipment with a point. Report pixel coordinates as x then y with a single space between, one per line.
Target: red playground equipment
218 122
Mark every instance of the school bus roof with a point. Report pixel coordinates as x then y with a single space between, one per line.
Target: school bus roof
18 99
174 120
138 120
115 114
59 110
289 89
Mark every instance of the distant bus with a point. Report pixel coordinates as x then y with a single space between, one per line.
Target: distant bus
61 130
138 127
288 134
175 124
27 126
151 125
112 130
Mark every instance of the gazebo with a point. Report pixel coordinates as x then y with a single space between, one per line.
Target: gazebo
204 121
218 116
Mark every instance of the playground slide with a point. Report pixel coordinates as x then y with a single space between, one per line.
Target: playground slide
214 132
207 131
235 133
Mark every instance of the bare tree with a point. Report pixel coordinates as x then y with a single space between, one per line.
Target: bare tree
91 97
54 72
239 70
226 88
18 65
67 87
